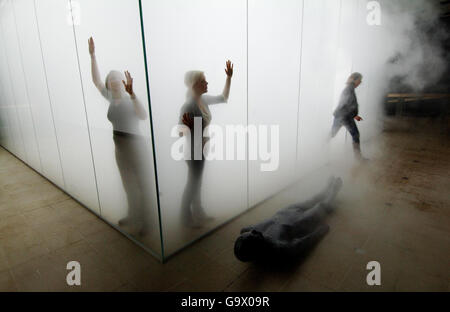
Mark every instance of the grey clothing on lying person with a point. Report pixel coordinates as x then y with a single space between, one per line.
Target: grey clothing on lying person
291 231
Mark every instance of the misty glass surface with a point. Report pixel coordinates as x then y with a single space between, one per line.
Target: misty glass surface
19 86
7 135
33 70
317 81
4 122
195 35
5 139
274 43
66 96
120 136
15 141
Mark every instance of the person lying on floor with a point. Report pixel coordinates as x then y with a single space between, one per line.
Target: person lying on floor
291 231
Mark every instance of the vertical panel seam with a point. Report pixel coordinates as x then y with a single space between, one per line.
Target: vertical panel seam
48 93
12 90
85 110
151 128
248 161
14 99
299 82
337 50
26 86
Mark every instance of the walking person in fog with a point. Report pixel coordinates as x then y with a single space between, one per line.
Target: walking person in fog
347 112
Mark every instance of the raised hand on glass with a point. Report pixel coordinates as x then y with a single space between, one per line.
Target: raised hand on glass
229 69
129 84
91 46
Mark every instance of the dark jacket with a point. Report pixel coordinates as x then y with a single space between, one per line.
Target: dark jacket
348 104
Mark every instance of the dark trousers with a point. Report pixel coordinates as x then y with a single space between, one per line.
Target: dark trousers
349 124
132 158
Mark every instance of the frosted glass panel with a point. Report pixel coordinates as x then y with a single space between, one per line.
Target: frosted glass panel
66 96
19 86
37 90
274 30
4 127
120 133
195 35
16 140
317 81
6 134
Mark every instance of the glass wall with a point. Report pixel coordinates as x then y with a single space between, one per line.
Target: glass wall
36 89
201 35
18 86
119 126
93 93
274 41
317 80
66 96
11 121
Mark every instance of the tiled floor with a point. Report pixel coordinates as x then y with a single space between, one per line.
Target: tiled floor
395 210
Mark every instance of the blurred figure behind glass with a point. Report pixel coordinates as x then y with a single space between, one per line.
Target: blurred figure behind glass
131 147
192 212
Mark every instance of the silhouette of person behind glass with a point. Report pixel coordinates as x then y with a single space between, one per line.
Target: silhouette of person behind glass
131 148
196 105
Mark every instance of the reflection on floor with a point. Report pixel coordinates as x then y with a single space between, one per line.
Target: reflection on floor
394 210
